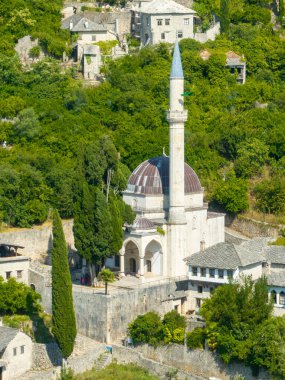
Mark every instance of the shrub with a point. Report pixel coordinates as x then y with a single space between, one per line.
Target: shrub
147 328
196 338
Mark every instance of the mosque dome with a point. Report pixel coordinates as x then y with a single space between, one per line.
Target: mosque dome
152 177
143 224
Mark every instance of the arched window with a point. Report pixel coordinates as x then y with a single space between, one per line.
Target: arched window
274 296
282 298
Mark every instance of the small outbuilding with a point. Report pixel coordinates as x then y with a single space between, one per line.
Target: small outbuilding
15 353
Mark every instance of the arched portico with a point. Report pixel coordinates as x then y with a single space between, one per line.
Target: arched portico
131 258
153 258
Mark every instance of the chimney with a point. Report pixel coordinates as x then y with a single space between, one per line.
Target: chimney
86 24
202 245
71 25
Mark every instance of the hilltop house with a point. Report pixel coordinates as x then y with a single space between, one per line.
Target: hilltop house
15 353
162 21
12 264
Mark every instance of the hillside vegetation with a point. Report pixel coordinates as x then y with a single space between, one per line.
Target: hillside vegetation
60 134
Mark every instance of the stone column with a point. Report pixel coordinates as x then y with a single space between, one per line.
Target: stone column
142 266
122 262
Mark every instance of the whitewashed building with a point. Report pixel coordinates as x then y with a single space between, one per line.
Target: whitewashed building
12 264
172 221
162 21
15 353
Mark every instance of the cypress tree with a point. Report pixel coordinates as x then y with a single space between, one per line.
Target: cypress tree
225 15
63 316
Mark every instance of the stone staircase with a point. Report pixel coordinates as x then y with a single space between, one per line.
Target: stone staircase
104 360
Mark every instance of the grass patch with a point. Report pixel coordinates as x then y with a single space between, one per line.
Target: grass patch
38 327
116 371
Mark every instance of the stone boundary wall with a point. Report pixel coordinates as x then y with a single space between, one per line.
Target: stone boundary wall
198 363
253 228
106 318
42 285
37 241
129 355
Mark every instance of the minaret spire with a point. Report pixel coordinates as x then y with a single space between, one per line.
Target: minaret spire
176 117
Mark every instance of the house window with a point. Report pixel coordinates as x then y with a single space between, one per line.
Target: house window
15 351
94 37
230 273
8 275
212 272
22 349
203 272
147 21
221 273
167 21
159 21
198 302
200 289
186 21
179 34
282 298
163 36
274 296
19 273
148 265
194 271
211 290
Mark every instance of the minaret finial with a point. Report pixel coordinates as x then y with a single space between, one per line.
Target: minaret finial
176 68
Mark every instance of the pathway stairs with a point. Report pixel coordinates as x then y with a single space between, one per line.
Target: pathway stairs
104 360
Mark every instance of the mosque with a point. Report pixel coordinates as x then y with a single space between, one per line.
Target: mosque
172 221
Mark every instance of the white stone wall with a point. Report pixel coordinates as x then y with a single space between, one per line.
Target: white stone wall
150 27
21 362
254 270
93 37
215 230
17 265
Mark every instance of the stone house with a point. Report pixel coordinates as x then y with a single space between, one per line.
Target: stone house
12 264
234 62
91 61
15 353
162 21
221 263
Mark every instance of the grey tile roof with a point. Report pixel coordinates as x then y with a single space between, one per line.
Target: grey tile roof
275 254
165 7
7 334
276 279
225 256
82 24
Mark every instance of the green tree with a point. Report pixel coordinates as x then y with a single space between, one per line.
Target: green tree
174 326
63 316
225 15
270 195
107 277
232 195
147 328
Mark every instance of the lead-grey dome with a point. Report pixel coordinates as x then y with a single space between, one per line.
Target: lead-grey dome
152 177
143 224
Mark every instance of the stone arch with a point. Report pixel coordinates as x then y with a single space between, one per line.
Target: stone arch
154 257
132 257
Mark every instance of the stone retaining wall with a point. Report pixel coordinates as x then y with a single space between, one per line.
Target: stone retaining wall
129 355
253 228
198 363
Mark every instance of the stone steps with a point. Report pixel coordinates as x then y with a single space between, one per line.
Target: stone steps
104 360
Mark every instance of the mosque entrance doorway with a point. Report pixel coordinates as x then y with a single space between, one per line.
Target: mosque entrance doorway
132 258
133 266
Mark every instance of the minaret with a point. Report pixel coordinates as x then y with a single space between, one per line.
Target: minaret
176 116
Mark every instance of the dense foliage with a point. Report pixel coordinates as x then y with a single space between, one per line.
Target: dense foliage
17 298
63 316
239 326
149 328
54 124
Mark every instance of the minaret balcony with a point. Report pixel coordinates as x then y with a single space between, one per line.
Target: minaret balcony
176 116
